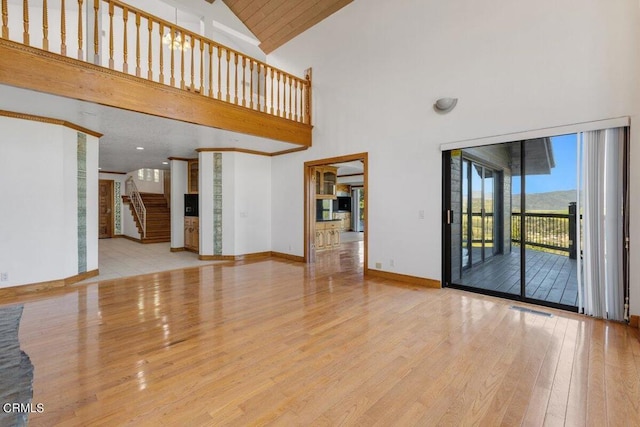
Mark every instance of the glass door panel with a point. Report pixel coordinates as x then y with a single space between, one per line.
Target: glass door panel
465 214
488 214
477 229
550 190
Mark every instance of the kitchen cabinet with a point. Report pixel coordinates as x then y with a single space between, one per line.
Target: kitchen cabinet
326 178
193 172
327 235
345 220
192 233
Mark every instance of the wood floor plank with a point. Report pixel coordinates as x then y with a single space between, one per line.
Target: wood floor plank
274 342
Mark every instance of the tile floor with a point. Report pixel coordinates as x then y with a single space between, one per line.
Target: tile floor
119 258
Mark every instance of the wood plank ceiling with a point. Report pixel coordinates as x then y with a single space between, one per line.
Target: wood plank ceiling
275 22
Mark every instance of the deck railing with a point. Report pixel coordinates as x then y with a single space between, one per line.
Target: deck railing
140 44
550 231
543 230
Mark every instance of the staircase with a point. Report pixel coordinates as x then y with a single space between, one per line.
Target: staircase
158 218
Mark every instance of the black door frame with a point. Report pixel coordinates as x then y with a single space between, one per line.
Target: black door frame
447 218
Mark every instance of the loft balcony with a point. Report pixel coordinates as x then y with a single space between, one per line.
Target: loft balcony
110 53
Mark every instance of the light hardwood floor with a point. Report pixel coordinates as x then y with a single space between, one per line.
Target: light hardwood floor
283 343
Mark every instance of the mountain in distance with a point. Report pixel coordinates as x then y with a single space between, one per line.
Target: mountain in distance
552 201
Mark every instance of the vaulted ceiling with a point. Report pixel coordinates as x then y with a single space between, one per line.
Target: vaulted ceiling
275 22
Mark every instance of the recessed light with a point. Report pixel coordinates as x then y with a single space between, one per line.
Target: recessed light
99 169
165 163
139 148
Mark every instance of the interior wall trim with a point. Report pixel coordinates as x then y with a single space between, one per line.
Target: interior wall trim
42 119
21 290
414 280
247 151
538 133
634 321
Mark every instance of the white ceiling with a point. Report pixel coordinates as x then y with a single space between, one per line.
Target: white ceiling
125 130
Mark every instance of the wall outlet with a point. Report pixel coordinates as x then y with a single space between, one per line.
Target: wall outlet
4 277
392 263
421 214
378 265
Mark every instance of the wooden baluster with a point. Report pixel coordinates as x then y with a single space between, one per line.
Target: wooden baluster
202 66
161 75
266 109
150 50
172 81
307 112
25 20
63 29
110 35
193 75
5 20
295 104
251 84
45 25
289 77
301 101
272 91
96 34
182 40
125 19
210 70
278 74
228 84
137 44
244 78
80 32
219 73
258 90
235 80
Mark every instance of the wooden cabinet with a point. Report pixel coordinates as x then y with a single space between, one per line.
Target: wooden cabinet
192 233
193 172
326 180
327 235
345 220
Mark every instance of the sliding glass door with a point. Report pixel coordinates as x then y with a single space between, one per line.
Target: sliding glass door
508 222
478 213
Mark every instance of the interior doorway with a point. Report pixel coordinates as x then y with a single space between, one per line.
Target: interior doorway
105 209
336 206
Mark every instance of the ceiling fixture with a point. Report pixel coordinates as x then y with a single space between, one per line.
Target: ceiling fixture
444 105
139 148
165 163
175 42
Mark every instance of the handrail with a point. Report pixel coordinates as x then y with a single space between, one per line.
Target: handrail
193 63
138 205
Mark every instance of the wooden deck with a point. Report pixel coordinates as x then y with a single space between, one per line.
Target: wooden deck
549 277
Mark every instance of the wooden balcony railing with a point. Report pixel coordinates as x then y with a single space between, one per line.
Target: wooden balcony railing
126 39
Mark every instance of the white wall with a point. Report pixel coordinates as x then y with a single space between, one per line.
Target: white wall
149 184
514 65
178 189
39 218
252 204
246 203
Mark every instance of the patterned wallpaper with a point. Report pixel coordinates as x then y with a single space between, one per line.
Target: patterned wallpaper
82 202
217 203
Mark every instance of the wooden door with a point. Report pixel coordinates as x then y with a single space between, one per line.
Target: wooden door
105 210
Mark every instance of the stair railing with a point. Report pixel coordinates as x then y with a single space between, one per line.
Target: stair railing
138 205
